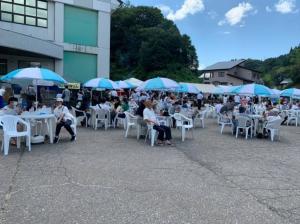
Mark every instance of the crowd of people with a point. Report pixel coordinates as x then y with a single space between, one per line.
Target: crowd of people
146 106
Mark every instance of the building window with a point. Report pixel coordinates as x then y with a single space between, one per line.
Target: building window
28 12
221 74
28 64
3 67
207 75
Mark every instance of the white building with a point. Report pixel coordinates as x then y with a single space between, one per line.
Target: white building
71 37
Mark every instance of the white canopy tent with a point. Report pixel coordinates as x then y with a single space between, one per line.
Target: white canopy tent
134 81
205 88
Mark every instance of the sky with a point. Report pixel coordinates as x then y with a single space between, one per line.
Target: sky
234 29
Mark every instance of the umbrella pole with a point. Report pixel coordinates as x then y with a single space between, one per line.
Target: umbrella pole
36 96
91 99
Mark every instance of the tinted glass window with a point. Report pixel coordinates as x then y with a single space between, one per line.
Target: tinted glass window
28 12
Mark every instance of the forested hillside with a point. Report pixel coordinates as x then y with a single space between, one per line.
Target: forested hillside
144 44
275 70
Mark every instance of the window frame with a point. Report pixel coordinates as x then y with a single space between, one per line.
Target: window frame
221 74
35 8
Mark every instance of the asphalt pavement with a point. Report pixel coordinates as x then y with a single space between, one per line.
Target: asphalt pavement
105 178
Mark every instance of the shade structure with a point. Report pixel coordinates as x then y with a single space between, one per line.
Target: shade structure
33 74
221 90
159 84
126 85
253 90
205 88
134 81
292 92
187 88
276 93
101 83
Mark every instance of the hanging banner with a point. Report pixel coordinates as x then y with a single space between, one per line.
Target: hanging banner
74 85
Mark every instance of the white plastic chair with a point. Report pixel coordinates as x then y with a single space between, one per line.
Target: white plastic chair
80 118
74 124
151 133
292 116
102 116
120 120
244 123
259 109
184 123
224 121
210 111
273 127
131 121
10 124
213 111
200 117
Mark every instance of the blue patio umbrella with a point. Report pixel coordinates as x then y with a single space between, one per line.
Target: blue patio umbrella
187 88
159 84
125 85
37 76
293 93
101 83
33 74
253 90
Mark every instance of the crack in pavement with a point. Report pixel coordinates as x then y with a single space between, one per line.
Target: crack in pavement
8 193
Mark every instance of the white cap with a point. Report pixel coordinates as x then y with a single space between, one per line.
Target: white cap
58 99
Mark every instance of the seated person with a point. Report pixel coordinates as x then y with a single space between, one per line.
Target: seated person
242 109
229 106
34 107
12 107
133 104
218 107
140 120
64 119
140 109
82 107
295 106
103 105
121 108
164 132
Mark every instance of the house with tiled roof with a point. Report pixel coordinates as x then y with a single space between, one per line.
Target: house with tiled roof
230 73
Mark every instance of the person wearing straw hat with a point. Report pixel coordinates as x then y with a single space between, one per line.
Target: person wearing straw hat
64 119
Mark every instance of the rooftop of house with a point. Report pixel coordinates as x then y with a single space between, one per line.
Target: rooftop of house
224 65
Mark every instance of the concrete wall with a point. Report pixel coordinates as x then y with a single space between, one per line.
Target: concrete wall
55 32
37 32
104 22
13 60
247 74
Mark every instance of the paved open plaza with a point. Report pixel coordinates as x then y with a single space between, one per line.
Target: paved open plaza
105 178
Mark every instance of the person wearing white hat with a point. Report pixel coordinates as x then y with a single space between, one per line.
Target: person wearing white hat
64 119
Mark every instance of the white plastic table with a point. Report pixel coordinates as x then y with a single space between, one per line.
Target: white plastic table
47 117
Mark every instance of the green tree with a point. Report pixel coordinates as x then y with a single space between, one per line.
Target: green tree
144 44
275 70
